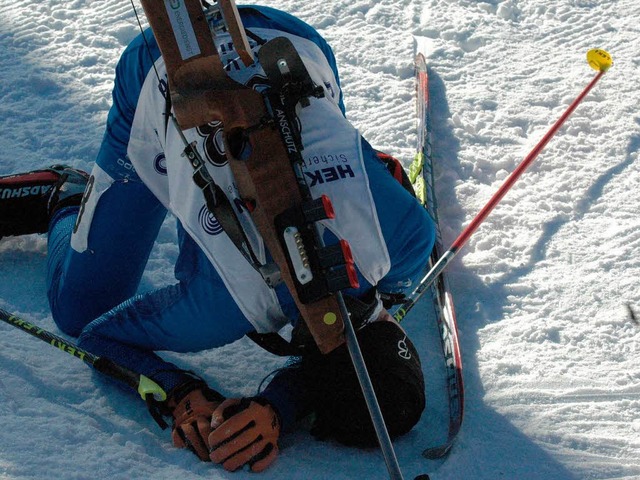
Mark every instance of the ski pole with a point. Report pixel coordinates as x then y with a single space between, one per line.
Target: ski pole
598 60
357 359
146 387
384 441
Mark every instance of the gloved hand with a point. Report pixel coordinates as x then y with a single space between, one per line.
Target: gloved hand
191 412
245 432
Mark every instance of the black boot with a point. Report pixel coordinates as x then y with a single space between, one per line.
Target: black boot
29 200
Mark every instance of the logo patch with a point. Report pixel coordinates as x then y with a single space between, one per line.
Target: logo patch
328 86
403 349
160 164
35 190
209 222
329 174
214 150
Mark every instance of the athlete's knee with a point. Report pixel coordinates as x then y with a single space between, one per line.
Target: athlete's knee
72 311
69 320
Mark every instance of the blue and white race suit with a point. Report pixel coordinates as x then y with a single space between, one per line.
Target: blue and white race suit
98 254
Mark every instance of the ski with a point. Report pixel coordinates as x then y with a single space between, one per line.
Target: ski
421 175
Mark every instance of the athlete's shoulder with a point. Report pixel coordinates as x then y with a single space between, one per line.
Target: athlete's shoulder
268 17
139 56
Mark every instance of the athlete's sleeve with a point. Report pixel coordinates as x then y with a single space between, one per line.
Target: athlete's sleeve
289 393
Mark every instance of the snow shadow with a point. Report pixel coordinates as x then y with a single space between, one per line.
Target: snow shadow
489 445
23 273
582 207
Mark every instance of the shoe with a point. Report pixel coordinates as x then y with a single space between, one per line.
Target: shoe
29 200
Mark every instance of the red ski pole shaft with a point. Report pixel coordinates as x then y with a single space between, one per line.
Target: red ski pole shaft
515 175
599 60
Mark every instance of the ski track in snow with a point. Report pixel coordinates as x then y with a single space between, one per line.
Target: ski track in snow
550 353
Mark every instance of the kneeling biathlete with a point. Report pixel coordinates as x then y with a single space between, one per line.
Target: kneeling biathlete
100 241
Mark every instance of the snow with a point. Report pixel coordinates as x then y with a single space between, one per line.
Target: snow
542 289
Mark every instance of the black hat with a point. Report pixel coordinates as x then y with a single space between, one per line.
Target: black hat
396 374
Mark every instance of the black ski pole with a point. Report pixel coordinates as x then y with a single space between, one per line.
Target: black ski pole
147 388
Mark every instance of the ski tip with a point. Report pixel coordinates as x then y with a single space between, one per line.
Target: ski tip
599 59
423 45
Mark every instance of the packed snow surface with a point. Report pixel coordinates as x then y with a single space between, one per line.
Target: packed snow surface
543 290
